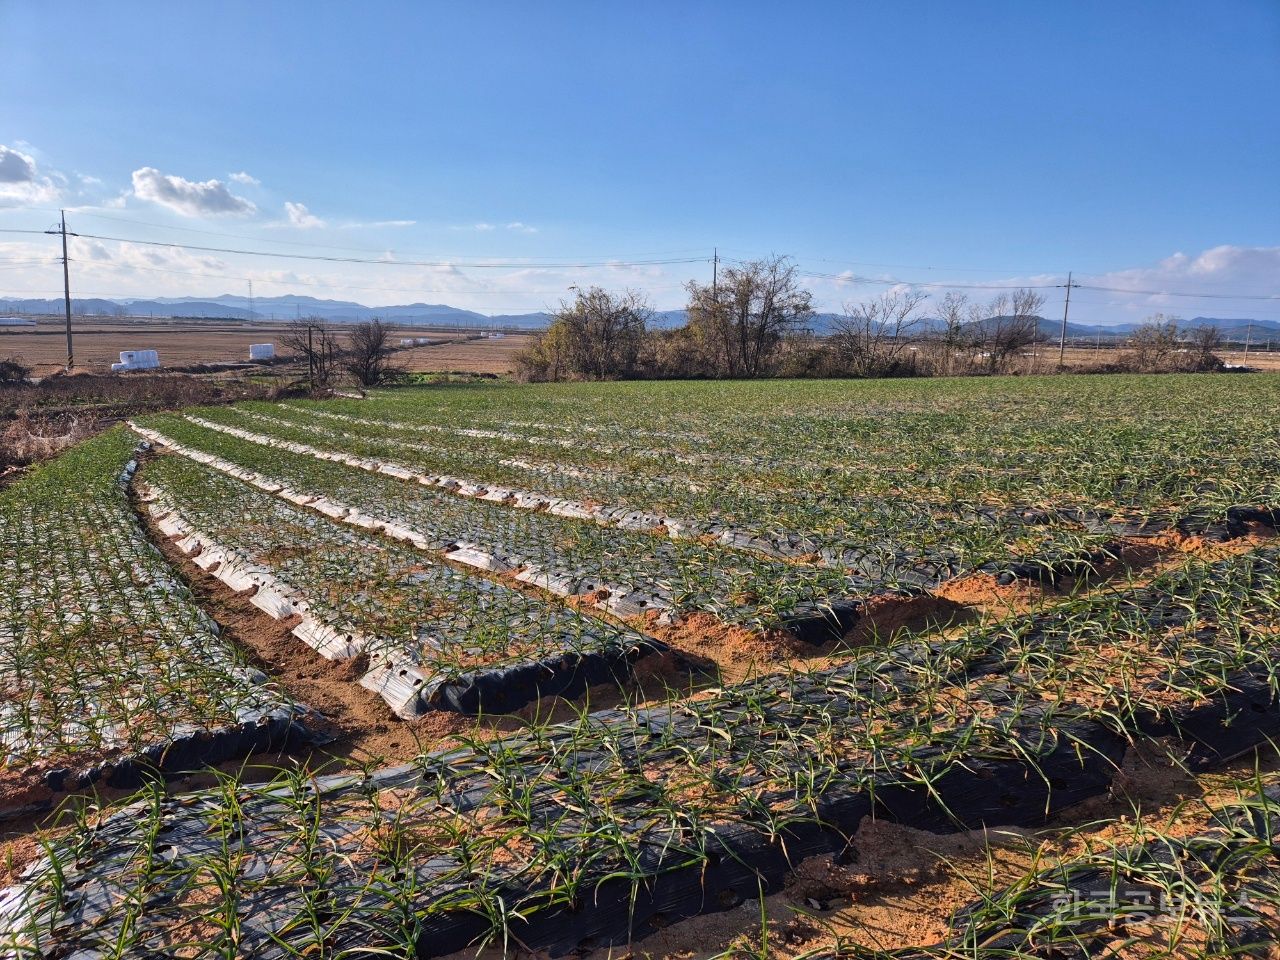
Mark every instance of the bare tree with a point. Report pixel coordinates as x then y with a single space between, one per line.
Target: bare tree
368 354
1153 347
741 320
953 339
1012 323
313 340
873 338
1204 342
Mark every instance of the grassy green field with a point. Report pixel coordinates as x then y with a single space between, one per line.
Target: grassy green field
656 649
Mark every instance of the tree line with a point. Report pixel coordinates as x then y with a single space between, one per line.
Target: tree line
755 320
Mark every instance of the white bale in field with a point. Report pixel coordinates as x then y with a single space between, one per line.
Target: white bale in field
262 351
136 360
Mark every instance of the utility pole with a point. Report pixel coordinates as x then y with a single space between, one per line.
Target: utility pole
715 271
251 301
1248 338
311 363
66 283
1062 338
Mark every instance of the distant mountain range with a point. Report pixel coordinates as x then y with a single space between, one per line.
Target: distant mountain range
235 307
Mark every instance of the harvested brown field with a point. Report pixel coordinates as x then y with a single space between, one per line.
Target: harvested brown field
190 343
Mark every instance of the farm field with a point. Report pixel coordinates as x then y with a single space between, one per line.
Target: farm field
979 668
185 343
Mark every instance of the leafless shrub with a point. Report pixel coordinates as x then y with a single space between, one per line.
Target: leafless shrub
1203 343
950 350
1010 325
1152 346
873 338
1158 346
13 370
315 342
31 438
368 354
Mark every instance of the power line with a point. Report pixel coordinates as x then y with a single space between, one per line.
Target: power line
217 233
915 266
1174 293
529 263
382 261
890 281
329 246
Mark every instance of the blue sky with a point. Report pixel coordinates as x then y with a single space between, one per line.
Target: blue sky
976 142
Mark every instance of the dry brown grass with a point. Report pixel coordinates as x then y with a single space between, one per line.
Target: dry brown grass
30 438
38 421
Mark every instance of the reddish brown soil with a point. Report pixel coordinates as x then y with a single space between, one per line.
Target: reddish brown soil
899 886
981 591
737 651
20 789
363 725
16 854
884 618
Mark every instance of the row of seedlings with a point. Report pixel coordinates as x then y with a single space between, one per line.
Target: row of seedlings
1011 540
1121 448
623 573
107 666
1213 895
435 637
848 531
567 837
604 828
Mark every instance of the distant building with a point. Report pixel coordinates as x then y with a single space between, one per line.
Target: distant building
17 322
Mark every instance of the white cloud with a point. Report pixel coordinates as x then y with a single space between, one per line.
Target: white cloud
374 224
189 197
1233 276
124 258
21 182
1247 266
485 227
247 179
1226 281
301 217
